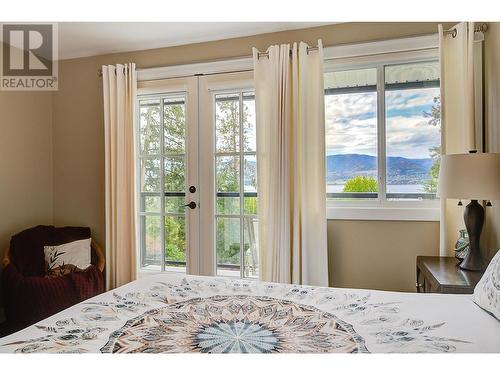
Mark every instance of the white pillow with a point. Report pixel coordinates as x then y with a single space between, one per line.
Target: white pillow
67 257
487 291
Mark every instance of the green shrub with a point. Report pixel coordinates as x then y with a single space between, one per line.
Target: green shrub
360 184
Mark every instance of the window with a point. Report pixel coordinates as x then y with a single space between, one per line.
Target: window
236 184
383 134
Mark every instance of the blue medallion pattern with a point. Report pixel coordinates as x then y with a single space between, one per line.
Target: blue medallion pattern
237 337
235 324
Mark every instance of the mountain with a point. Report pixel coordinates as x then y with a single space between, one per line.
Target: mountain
401 171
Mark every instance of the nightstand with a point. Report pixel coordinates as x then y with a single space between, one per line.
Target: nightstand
442 275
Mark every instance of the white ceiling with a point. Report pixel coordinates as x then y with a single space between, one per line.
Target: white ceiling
79 39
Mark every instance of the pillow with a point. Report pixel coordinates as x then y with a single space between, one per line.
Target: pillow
66 258
487 291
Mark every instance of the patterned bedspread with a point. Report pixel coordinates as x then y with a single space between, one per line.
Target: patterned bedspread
173 313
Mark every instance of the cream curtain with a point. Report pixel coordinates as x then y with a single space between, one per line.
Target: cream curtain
458 129
291 164
119 91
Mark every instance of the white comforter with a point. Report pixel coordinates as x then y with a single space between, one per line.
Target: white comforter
177 313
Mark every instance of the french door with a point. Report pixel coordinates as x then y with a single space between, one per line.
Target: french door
197 172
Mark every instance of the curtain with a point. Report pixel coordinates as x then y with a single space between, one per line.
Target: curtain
458 131
119 91
291 164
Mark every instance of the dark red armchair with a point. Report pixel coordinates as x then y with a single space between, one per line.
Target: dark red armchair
29 296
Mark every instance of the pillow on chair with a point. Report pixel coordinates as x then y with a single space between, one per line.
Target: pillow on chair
66 258
26 247
487 291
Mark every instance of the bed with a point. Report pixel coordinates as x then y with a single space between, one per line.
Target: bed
174 313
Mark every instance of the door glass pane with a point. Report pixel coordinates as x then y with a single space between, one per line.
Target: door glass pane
251 240
228 246
228 184
236 196
162 132
249 131
175 205
175 241
150 174
150 202
227 122
151 238
150 127
174 172
174 119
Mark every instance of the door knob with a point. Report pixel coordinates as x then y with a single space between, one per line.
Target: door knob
191 205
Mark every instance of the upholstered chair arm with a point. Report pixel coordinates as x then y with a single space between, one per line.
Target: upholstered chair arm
6 257
101 260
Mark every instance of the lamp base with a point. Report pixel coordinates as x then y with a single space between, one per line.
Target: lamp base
474 219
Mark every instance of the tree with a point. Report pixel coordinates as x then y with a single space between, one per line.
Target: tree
228 177
173 143
360 184
434 116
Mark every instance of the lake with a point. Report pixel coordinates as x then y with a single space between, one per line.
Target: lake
390 188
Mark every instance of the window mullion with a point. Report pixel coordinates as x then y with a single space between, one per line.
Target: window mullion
162 185
381 133
242 187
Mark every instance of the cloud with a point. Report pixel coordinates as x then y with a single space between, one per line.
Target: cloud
410 101
411 136
351 123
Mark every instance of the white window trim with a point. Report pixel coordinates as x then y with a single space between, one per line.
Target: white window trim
393 51
382 213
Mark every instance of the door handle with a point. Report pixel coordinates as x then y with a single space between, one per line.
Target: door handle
191 205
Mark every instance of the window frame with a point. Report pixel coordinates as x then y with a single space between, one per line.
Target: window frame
382 208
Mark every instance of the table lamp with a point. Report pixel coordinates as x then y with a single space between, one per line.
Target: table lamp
474 176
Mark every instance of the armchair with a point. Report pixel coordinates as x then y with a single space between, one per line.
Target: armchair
28 295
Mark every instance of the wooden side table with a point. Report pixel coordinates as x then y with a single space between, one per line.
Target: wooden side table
442 275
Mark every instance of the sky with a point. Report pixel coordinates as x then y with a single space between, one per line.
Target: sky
351 123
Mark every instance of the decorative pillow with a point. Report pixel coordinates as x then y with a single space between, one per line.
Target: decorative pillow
66 258
487 291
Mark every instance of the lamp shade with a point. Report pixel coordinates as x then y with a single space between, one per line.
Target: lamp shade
470 176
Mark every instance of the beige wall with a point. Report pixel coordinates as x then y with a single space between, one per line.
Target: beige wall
491 235
25 163
78 137
378 254
383 259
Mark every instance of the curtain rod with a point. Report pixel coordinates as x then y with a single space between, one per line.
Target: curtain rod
261 54
477 29
266 54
